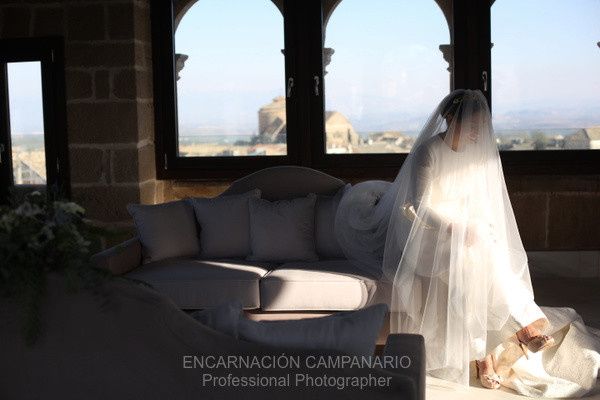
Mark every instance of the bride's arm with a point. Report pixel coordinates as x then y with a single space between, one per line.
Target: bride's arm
421 180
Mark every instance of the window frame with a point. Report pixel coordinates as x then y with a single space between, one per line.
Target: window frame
533 162
343 165
470 34
168 164
49 52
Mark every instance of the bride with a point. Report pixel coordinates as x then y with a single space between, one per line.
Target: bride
445 235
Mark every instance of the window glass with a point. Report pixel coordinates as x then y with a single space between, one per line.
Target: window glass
385 74
231 79
546 74
26 123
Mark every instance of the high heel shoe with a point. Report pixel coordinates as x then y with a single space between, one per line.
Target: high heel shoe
489 381
536 343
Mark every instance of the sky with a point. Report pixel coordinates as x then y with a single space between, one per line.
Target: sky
387 71
25 98
546 62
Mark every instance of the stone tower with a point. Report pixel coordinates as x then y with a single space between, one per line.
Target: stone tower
271 121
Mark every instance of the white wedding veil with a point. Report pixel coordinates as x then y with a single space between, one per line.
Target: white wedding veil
444 234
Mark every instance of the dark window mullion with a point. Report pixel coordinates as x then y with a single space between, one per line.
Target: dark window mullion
6 178
304 56
316 83
469 25
54 106
165 95
294 126
484 49
471 39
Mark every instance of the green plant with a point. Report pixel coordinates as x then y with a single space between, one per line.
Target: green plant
39 236
540 141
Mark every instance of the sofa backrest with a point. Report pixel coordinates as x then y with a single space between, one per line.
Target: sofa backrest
286 182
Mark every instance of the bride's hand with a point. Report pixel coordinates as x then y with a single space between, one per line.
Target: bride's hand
471 235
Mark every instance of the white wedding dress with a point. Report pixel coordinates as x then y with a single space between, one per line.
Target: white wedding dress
445 235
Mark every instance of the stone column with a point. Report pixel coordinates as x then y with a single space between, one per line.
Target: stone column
327 54
448 55
180 60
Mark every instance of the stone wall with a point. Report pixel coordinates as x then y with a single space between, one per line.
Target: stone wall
109 96
557 212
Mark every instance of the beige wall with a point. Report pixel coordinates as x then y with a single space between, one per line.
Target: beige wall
111 125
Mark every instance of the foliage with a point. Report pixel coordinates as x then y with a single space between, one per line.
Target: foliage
38 237
540 141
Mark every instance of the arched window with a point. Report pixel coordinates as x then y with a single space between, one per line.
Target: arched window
230 79
345 85
546 74
384 73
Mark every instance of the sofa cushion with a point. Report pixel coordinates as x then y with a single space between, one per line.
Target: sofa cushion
334 285
196 284
224 225
325 241
165 230
283 230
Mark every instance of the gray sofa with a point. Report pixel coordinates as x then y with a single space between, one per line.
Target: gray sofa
126 341
261 287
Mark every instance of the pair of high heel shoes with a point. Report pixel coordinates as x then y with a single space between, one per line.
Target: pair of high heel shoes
534 345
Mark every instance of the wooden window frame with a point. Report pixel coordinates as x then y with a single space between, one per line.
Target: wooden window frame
168 164
305 109
49 51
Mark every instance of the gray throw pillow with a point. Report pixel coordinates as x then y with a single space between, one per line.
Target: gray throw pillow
165 230
353 333
349 332
283 230
224 225
223 318
325 209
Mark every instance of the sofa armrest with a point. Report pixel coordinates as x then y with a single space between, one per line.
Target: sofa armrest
121 258
412 347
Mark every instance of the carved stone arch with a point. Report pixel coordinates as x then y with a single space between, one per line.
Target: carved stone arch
279 5
181 7
446 7
329 7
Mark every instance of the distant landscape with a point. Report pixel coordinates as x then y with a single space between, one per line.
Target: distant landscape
29 158
380 142
514 130
571 130
528 129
